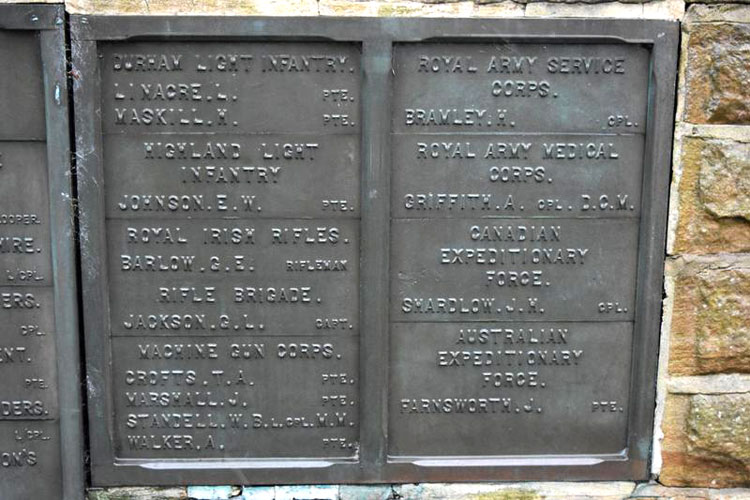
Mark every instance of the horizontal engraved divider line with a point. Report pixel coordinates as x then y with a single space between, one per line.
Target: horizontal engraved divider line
535 320
28 419
545 217
234 463
250 134
256 333
179 216
534 133
22 139
28 284
235 131
509 461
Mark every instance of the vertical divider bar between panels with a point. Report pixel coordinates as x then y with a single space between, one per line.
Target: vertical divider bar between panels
94 283
62 226
375 252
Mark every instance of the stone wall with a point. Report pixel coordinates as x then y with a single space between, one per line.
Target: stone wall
705 363
702 437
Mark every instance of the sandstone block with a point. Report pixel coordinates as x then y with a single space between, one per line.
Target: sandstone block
203 7
714 196
706 443
406 8
710 331
137 493
718 69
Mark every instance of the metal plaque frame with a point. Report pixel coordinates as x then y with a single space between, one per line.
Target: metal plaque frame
376 38
48 21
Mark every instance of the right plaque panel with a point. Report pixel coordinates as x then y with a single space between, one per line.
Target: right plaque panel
517 174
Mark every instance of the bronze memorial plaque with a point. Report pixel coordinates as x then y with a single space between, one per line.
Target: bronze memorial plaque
516 201
371 250
40 435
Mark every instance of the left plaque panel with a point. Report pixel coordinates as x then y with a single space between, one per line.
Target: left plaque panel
228 223
40 425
